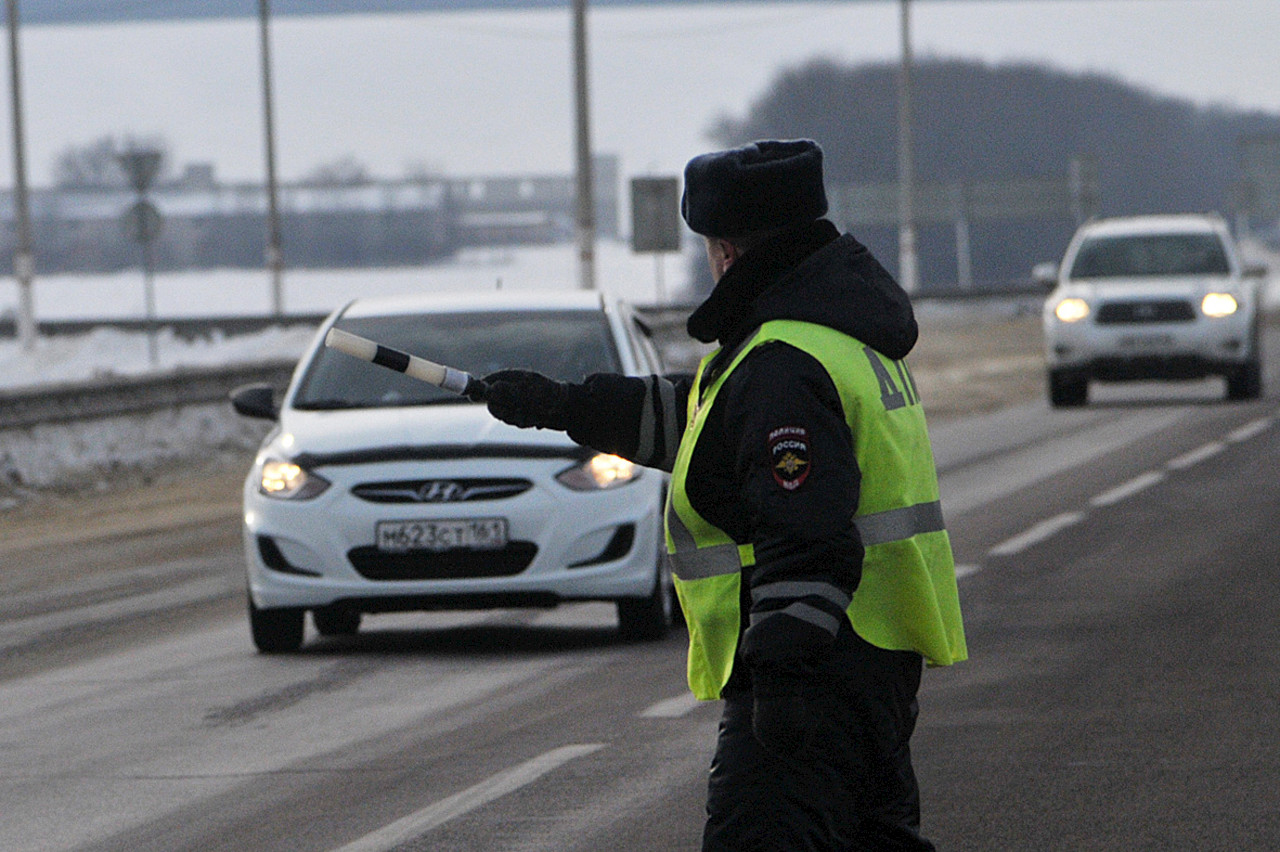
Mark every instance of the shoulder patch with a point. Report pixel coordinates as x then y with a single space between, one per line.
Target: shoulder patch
789 456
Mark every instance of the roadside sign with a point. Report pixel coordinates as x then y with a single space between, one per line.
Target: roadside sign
655 214
1260 165
141 222
141 166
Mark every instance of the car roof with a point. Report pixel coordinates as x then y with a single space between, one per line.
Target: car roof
489 300
1155 224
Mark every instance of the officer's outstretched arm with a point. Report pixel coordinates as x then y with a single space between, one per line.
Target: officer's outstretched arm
638 418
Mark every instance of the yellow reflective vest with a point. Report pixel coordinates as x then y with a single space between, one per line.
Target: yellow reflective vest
907 598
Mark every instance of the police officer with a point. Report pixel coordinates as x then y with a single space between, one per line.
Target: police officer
803 521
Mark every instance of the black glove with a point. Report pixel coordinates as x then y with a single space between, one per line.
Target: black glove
780 716
524 398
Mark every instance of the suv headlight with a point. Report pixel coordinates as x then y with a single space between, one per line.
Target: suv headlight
599 472
1071 310
1219 305
285 480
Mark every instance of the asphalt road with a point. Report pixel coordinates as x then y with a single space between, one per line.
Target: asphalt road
1119 572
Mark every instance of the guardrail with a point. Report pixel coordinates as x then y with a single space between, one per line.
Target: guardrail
186 328
126 395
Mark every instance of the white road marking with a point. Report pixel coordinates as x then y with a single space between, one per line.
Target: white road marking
1249 430
1050 527
1128 489
963 571
407 828
1196 456
1038 533
672 708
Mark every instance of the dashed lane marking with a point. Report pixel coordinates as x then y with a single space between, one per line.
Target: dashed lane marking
1037 534
1046 529
1249 430
1128 489
671 708
407 828
1196 456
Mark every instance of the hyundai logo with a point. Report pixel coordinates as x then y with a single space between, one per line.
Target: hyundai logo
441 491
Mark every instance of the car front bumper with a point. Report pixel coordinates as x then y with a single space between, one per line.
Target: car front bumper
564 545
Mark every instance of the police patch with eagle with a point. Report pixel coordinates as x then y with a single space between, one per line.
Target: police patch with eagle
789 456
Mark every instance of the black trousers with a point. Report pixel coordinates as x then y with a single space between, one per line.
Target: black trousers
852 789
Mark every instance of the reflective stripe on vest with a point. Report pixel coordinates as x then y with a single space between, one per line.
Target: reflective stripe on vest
690 562
907 599
898 524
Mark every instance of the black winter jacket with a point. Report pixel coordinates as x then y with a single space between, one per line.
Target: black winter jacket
800 531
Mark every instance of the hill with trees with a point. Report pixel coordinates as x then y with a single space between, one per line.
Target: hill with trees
976 122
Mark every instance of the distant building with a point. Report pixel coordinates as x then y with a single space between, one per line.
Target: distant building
323 225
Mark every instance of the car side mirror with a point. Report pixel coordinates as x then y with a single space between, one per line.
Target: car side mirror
257 400
1045 275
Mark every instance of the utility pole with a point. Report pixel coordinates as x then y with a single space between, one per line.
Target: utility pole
908 263
586 201
275 258
24 266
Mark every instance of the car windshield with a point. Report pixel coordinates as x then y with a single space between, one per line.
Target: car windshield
567 345
1155 254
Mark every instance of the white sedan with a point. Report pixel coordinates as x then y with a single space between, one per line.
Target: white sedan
379 493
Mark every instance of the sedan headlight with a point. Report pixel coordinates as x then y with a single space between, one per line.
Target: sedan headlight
1219 305
285 480
1071 310
599 472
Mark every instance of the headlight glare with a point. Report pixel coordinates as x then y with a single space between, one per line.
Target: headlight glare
599 472
1219 305
285 480
1071 310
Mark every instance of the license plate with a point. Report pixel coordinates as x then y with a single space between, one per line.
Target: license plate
1147 341
471 533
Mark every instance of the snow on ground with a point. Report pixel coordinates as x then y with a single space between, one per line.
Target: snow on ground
641 279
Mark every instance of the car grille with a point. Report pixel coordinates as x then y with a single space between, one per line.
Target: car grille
440 490
1171 310
374 564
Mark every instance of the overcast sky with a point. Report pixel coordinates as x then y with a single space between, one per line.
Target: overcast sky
489 93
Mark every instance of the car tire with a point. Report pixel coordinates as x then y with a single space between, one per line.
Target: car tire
1067 390
276 630
336 621
1245 382
648 619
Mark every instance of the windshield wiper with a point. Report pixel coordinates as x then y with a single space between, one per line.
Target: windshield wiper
328 404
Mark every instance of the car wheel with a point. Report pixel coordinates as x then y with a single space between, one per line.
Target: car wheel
336 621
648 619
1246 382
276 630
1067 390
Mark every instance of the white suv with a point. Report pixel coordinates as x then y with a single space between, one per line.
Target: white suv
1151 297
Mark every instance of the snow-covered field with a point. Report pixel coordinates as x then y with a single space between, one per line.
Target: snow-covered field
248 292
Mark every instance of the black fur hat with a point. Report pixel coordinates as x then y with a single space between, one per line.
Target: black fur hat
759 187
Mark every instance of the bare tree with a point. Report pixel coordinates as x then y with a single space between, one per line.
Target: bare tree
344 171
96 164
